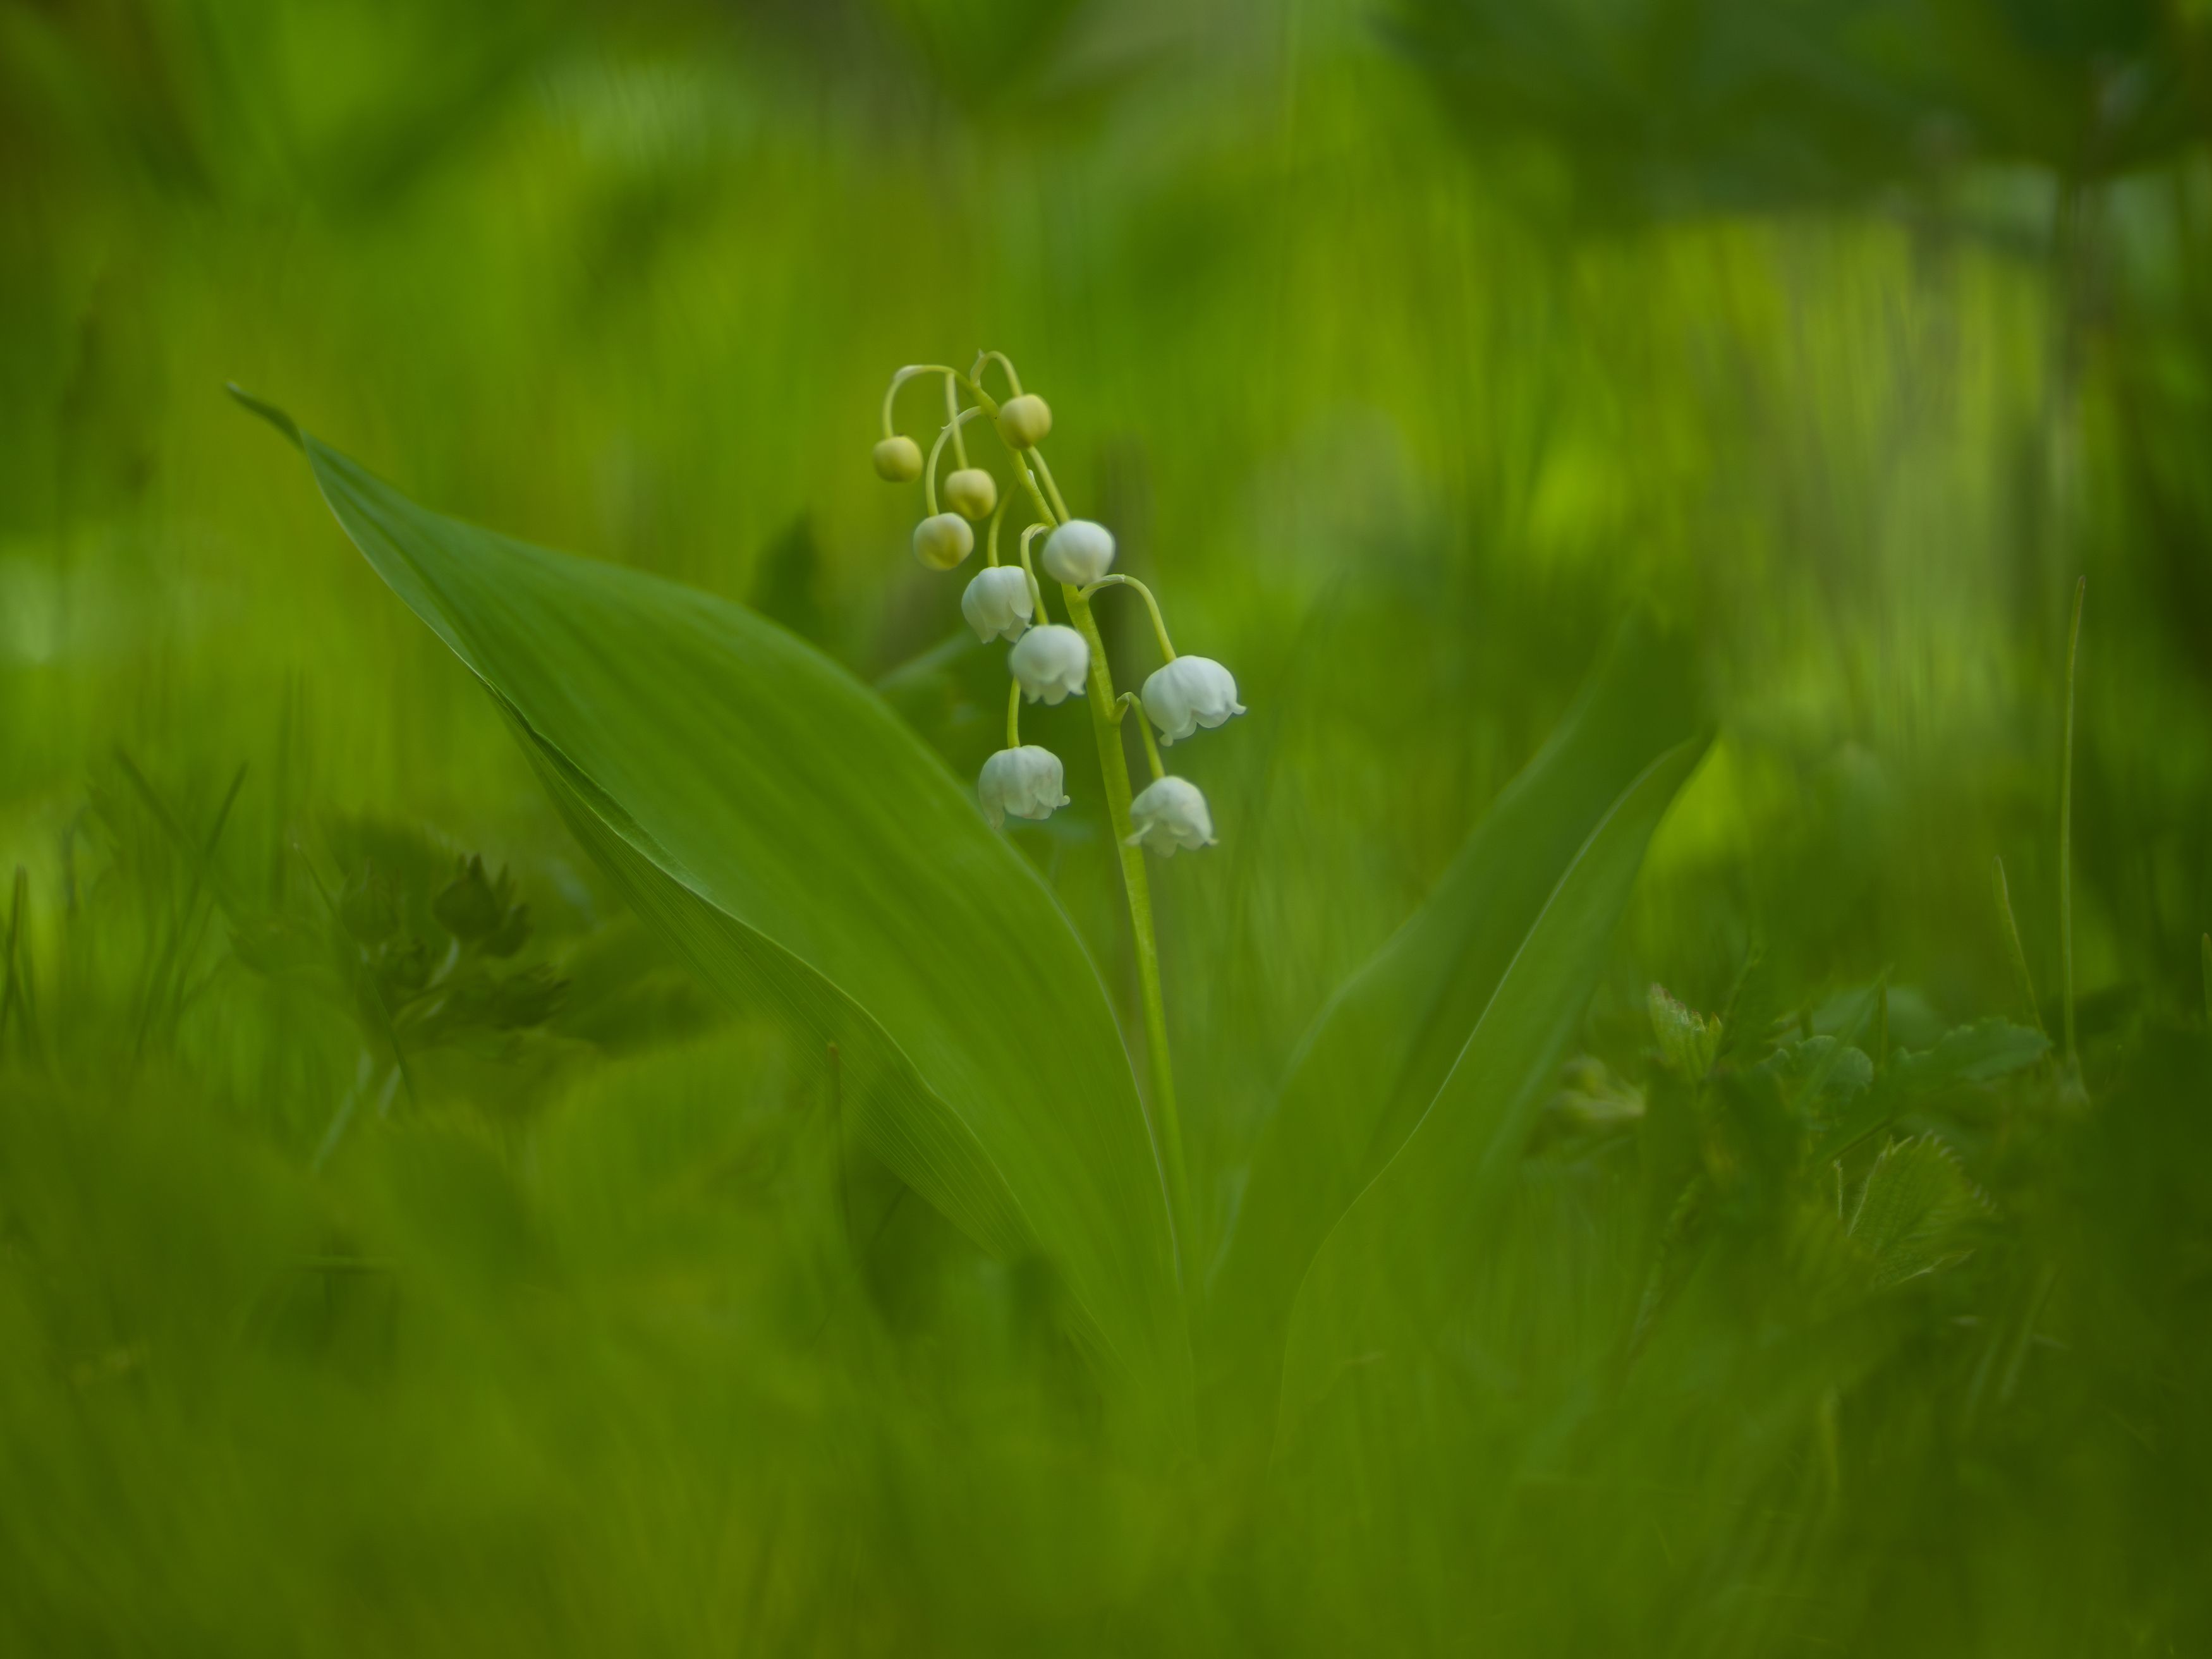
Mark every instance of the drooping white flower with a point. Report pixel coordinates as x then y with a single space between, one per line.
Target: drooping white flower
998 604
971 492
1189 693
1168 813
942 540
1025 781
1051 662
1079 551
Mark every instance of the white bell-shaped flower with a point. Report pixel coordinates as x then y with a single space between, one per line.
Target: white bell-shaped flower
1051 662
1189 693
1079 552
1168 813
998 604
1025 781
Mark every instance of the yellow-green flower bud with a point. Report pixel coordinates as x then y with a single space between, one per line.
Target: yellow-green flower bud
942 540
971 492
1024 421
898 460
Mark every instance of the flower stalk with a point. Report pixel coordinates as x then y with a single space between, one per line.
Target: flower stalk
1050 661
1136 886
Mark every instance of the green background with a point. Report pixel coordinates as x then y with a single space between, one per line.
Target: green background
1408 350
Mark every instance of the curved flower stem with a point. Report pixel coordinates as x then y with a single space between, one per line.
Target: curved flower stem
892 391
1106 728
1037 589
2066 837
991 540
1159 626
1037 456
1043 507
1130 701
953 420
984 359
1152 743
1014 715
929 472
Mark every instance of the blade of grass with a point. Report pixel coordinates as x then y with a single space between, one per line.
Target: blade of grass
2066 835
2019 956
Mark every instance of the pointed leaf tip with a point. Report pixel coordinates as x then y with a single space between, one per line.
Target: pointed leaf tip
268 412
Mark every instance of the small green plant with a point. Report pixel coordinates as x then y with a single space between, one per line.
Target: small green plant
1050 662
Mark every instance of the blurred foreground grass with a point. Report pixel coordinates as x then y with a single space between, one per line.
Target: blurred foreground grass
1407 350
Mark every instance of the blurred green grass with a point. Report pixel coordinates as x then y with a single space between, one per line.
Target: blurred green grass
1402 390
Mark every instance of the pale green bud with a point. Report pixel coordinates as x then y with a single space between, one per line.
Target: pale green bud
898 460
942 540
1025 421
971 492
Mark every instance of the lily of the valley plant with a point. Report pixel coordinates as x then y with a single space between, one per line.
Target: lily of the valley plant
1050 661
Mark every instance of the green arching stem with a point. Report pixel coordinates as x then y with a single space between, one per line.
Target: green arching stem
1159 623
929 472
1037 588
2066 833
1044 507
1014 715
953 420
1129 700
1136 884
991 537
1045 472
984 358
890 392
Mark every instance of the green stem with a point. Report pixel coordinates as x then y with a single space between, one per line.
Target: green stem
929 472
1014 715
1159 623
1135 884
1045 472
1130 699
1037 588
953 420
2020 975
891 393
991 542
1029 482
2066 833
984 359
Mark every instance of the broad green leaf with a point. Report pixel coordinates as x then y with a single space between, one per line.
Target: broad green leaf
1388 1273
802 846
1379 1051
